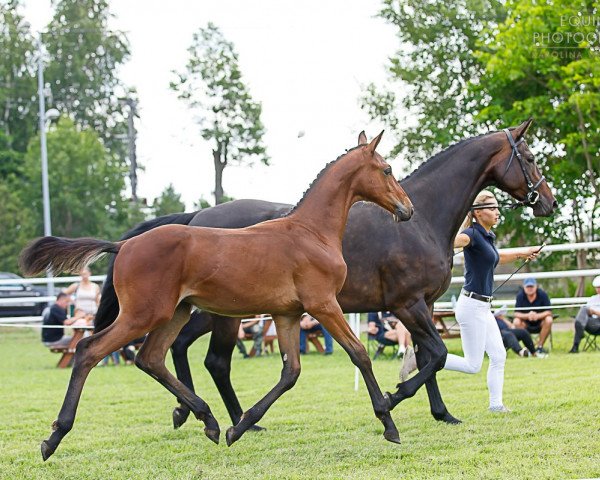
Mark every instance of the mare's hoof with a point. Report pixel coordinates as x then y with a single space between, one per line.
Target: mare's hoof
180 416
257 428
231 436
392 436
447 418
47 450
213 434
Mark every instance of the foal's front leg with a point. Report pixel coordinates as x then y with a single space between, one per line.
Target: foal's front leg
332 318
288 336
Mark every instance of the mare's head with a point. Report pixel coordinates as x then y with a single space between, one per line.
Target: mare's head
513 170
375 182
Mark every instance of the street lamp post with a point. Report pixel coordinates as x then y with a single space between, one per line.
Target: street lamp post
52 113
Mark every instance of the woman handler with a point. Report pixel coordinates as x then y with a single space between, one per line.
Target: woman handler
478 329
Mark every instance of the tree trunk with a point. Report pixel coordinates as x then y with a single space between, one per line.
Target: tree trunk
219 167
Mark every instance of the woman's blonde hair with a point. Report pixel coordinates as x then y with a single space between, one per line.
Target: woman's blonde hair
484 197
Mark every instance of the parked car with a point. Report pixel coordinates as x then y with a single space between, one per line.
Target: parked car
17 289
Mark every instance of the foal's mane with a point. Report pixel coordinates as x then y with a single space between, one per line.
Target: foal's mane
319 176
432 162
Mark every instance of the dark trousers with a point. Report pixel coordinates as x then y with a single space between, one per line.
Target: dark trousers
511 339
587 323
326 336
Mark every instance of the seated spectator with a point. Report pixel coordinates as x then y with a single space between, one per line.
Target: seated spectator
252 327
388 330
54 317
511 336
588 318
538 320
310 324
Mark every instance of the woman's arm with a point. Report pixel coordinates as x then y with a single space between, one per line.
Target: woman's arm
529 253
461 240
71 288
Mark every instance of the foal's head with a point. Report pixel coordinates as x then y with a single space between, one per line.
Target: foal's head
514 170
377 184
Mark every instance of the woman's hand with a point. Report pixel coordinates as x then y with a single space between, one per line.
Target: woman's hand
531 253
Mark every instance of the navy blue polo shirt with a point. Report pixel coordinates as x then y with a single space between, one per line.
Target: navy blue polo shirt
481 258
541 300
55 317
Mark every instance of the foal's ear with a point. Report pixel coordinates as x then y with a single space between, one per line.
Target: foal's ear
522 129
362 138
375 142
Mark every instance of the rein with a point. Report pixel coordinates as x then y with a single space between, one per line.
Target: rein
532 195
517 270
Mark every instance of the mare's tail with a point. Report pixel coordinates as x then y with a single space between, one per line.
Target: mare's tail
63 254
109 303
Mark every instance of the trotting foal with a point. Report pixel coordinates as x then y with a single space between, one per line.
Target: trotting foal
283 267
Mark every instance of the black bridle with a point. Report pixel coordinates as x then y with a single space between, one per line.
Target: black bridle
532 195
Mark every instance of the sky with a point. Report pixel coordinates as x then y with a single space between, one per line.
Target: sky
306 62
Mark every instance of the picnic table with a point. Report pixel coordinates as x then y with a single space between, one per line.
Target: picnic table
68 351
446 329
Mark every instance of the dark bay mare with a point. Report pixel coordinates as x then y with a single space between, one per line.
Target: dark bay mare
159 275
399 267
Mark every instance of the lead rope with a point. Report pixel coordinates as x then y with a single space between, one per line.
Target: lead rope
517 270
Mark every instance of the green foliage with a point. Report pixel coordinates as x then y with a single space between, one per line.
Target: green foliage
16 225
202 203
84 57
319 429
168 202
211 84
18 112
472 66
85 184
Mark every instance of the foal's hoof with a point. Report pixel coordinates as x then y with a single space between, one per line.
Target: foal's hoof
447 418
180 415
47 450
213 434
257 428
392 436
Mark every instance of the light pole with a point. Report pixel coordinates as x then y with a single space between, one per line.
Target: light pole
52 113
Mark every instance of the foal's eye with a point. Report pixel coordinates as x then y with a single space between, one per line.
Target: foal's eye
387 171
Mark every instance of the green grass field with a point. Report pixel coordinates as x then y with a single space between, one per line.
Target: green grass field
320 429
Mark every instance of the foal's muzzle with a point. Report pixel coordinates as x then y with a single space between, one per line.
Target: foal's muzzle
403 213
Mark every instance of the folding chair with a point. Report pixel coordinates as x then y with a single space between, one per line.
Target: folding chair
379 347
590 342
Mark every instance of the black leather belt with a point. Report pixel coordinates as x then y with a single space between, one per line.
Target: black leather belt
476 296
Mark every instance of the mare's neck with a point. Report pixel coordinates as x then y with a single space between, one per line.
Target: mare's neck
325 206
443 192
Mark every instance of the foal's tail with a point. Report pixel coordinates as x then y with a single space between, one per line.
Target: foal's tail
63 254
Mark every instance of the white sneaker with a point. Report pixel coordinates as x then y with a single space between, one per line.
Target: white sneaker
409 364
499 409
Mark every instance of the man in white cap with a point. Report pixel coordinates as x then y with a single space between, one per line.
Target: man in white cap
588 318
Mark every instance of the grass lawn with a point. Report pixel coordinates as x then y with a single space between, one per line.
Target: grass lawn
320 429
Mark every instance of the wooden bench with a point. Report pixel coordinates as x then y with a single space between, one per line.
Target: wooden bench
445 330
68 351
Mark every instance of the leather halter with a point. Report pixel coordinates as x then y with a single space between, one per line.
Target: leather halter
532 195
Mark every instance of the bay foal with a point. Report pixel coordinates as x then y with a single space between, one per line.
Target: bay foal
284 267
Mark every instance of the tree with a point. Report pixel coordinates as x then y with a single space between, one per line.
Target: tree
18 113
168 202
85 184
16 225
211 84
84 57
430 73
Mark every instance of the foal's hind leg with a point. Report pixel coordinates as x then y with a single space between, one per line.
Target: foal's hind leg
89 352
332 318
151 359
288 336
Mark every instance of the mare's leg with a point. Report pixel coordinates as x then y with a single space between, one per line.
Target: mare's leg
151 359
431 356
90 351
218 364
199 324
331 317
288 336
